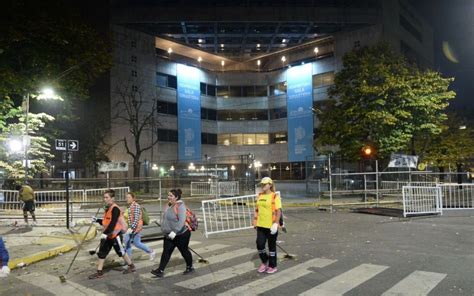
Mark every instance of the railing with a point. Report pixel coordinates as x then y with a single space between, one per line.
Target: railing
419 200
95 195
457 196
228 188
9 199
203 188
228 214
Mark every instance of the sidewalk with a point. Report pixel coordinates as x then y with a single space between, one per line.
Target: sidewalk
27 245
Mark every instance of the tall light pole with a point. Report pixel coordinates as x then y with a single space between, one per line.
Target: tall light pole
45 94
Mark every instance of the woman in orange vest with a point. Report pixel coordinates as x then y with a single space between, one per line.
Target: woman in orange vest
135 226
266 222
114 226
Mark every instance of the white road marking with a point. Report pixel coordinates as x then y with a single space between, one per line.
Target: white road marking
417 283
280 278
52 284
346 281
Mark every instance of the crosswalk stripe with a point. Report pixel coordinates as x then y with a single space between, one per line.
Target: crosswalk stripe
417 283
52 284
212 260
221 275
278 279
346 281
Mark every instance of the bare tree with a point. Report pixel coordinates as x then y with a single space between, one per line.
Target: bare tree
134 108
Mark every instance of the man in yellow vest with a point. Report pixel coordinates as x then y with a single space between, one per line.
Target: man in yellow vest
114 226
27 196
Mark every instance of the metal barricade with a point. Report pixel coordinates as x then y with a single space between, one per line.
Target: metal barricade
418 200
228 188
57 197
96 195
457 196
9 200
228 214
203 188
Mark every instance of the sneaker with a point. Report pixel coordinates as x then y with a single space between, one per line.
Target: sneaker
131 268
97 275
152 255
272 269
188 270
34 223
158 273
263 267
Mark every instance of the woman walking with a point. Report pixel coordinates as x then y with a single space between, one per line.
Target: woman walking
135 226
177 233
266 222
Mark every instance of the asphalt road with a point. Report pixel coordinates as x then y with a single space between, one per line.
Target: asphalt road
336 253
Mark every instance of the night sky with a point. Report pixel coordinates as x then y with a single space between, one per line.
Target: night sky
453 23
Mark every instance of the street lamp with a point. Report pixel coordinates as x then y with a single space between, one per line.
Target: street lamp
45 94
232 168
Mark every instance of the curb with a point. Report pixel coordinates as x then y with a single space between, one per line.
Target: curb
43 255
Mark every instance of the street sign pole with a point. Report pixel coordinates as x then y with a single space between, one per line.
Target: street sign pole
67 184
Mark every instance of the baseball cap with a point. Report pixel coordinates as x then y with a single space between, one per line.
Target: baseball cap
266 180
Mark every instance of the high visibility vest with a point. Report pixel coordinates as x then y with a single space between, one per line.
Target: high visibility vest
120 226
274 212
132 214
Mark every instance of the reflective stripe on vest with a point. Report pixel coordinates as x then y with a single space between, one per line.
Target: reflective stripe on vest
255 217
120 226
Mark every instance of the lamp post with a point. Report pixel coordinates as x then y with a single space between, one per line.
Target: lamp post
45 94
232 168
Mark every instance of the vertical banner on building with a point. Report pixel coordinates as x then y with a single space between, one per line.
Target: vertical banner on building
300 114
189 113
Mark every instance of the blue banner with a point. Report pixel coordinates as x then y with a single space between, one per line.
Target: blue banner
300 114
189 113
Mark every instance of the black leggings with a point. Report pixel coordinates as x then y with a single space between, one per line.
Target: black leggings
182 242
263 234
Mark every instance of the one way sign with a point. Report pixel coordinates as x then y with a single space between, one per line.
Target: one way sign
72 145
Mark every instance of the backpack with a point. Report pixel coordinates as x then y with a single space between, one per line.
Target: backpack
191 220
145 216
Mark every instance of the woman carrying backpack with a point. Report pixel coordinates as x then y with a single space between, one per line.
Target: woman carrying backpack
177 233
266 222
135 225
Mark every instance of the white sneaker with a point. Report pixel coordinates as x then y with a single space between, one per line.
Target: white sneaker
34 223
152 255
3 275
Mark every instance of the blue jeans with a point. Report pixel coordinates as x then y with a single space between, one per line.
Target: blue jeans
137 241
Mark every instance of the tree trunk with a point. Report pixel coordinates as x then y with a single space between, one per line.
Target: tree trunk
458 172
136 167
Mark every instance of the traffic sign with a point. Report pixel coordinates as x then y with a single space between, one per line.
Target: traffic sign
72 145
69 157
61 144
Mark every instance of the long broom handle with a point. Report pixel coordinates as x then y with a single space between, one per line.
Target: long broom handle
83 240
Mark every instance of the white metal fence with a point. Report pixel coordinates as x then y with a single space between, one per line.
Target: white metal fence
457 196
228 188
225 188
228 214
421 200
91 195
203 188
9 199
